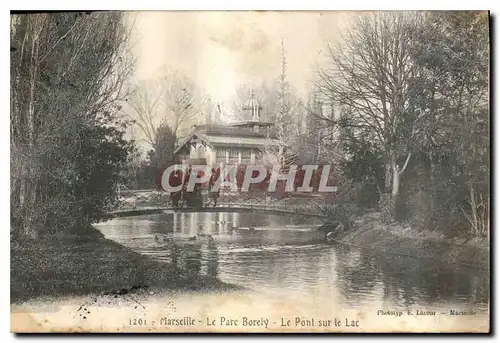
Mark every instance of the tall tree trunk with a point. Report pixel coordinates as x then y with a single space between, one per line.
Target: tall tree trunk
388 177
30 182
397 172
396 181
389 170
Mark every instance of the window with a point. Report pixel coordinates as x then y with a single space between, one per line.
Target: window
220 155
245 155
233 155
200 153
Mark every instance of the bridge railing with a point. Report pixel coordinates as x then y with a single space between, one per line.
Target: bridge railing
292 203
141 199
150 199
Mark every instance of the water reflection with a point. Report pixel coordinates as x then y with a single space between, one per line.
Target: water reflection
285 255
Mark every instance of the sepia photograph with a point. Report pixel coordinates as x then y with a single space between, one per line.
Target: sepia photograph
250 171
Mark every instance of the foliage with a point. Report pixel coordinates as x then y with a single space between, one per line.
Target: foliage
363 164
163 148
138 173
339 216
145 172
411 90
371 78
67 146
454 55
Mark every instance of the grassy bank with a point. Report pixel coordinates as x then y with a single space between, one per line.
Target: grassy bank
75 265
369 232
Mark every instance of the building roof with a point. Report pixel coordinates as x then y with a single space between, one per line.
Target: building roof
234 130
239 141
251 123
224 136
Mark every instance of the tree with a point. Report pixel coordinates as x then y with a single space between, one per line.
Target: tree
284 126
413 87
183 101
363 164
67 146
171 99
321 135
285 121
163 148
372 75
145 104
453 55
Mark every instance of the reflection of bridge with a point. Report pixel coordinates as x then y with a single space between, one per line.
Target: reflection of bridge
135 203
219 208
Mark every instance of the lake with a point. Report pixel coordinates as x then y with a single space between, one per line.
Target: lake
279 256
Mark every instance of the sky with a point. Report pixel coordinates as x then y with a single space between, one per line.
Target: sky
220 50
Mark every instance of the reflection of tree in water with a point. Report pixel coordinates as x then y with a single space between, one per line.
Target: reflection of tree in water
190 260
430 281
174 256
470 284
408 279
481 287
212 260
437 282
412 280
357 280
161 223
401 278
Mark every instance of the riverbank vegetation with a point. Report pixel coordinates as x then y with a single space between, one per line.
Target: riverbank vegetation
407 94
401 239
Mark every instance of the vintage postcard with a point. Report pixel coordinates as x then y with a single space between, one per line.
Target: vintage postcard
253 171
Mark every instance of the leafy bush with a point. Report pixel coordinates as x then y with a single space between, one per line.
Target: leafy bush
340 216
